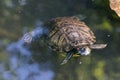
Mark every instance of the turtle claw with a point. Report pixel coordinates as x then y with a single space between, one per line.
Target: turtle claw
64 62
68 56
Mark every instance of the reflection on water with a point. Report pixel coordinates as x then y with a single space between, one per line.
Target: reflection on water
22 2
34 35
21 65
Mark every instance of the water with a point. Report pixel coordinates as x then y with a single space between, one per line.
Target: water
21 66
30 58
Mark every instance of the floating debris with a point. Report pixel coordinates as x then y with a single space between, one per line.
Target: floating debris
108 35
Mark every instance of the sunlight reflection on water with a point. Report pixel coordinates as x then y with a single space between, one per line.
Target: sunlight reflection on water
21 66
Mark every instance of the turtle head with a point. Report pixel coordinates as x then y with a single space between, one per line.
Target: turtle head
84 51
87 49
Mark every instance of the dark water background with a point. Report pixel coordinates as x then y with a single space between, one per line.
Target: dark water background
36 61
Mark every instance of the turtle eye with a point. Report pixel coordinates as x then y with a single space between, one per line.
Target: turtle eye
81 51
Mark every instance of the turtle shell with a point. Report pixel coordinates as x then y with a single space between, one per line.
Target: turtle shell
69 32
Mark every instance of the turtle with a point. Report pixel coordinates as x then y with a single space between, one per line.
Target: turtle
68 35
71 36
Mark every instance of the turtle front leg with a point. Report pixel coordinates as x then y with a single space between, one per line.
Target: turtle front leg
67 58
98 46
